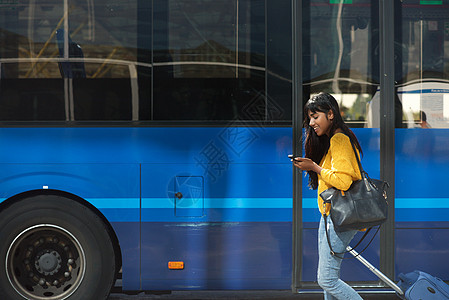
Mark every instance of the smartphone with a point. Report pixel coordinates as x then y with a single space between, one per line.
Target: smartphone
292 156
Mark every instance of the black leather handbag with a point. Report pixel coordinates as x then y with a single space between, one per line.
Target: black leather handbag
363 205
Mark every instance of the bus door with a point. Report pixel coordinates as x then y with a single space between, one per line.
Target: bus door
340 56
422 138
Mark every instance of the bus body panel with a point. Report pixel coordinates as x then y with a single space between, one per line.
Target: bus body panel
232 227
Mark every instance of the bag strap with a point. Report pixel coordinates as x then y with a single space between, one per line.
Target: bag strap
358 159
363 174
333 253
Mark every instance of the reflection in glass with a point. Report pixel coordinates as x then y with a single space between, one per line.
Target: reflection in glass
138 60
69 61
423 86
340 54
209 58
31 87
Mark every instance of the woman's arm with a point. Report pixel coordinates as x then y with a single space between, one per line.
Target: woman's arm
306 164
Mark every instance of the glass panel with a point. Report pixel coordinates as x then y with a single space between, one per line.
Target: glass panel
31 87
214 60
104 98
31 99
279 60
341 56
72 61
105 34
105 29
210 61
423 86
422 137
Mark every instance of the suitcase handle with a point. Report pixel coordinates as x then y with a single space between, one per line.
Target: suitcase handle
409 280
378 273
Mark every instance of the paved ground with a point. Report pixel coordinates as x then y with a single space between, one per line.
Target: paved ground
246 295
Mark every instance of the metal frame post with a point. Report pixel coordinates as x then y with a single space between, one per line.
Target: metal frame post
387 128
297 119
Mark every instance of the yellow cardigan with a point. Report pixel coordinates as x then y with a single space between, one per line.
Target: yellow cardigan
340 168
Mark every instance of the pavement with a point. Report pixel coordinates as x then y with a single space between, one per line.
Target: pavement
244 295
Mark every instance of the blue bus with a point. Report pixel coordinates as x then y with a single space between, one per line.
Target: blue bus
144 143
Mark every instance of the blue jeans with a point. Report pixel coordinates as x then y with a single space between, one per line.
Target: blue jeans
329 266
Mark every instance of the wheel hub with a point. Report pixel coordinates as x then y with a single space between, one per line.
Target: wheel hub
45 262
48 263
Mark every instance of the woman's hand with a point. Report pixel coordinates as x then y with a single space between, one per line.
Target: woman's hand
306 164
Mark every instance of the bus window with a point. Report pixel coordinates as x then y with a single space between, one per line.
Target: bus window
209 59
31 99
137 60
69 63
424 85
106 31
102 96
30 89
340 55
422 139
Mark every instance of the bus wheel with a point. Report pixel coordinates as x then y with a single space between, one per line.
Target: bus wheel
53 247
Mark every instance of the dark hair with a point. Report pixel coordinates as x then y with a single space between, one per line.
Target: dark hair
423 116
316 146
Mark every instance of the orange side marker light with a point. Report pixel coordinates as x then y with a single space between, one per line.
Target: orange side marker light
176 265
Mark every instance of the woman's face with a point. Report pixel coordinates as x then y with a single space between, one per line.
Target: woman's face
321 122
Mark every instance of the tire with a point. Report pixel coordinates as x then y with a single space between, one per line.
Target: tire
53 247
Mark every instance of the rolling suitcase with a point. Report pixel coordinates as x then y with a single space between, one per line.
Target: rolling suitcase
416 285
420 285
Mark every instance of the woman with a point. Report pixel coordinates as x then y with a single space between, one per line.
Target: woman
330 162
